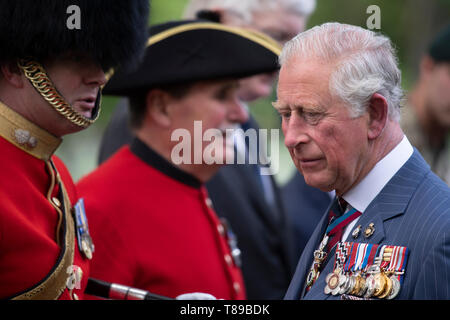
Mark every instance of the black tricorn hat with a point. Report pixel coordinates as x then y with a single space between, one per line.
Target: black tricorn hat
113 33
194 50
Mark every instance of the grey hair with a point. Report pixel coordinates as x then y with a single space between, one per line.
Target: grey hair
246 8
365 63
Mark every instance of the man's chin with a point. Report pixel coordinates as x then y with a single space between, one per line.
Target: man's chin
69 127
316 181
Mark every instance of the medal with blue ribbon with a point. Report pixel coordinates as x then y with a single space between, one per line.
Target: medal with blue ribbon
364 270
85 243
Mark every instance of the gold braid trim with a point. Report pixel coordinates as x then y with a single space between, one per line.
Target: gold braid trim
55 282
37 75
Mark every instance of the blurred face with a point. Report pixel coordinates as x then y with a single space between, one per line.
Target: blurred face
208 105
255 87
78 79
281 26
327 146
437 97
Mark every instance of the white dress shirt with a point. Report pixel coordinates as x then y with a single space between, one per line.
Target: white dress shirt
361 195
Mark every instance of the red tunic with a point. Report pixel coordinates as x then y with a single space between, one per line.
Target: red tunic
153 228
28 223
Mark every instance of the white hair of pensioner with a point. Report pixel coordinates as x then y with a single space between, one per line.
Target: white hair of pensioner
245 8
365 62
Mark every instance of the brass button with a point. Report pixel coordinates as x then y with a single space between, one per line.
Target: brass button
221 230
75 297
209 203
228 260
237 287
56 202
79 274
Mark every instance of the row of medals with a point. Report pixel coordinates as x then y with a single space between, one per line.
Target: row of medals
374 282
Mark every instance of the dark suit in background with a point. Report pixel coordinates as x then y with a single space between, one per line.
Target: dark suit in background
263 229
304 205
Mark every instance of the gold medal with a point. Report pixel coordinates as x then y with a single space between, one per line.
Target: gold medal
380 284
388 288
363 287
357 286
369 230
86 249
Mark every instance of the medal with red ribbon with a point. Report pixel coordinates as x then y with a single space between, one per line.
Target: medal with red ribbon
367 270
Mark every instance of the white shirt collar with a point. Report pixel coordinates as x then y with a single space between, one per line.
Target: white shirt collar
361 195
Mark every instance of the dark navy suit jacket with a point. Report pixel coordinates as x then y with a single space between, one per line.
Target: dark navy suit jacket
304 207
264 232
412 210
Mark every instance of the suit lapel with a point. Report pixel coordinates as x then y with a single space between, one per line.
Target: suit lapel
297 286
390 203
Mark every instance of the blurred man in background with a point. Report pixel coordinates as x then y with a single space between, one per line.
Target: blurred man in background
153 223
249 202
426 118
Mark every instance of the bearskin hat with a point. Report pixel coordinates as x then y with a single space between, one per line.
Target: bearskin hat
113 33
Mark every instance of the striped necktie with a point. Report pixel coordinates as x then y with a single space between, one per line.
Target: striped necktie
338 221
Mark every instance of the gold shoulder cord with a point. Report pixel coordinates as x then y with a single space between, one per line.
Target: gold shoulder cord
56 282
36 74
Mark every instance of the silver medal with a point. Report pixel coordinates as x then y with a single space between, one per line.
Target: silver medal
395 287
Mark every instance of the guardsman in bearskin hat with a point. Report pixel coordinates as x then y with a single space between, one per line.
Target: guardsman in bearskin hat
51 75
156 206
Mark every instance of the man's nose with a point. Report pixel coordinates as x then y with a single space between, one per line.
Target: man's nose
238 112
95 76
294 131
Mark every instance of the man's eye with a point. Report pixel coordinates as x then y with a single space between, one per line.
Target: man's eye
312 117
221 95
285 114
224 94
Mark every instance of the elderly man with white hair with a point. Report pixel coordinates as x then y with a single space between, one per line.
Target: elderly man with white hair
385 236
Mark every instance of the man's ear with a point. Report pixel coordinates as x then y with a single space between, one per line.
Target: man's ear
378 115
12 74
157 102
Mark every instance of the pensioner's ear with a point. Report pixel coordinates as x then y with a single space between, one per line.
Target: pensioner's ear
157 103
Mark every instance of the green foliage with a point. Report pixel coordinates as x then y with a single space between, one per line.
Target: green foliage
166 10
